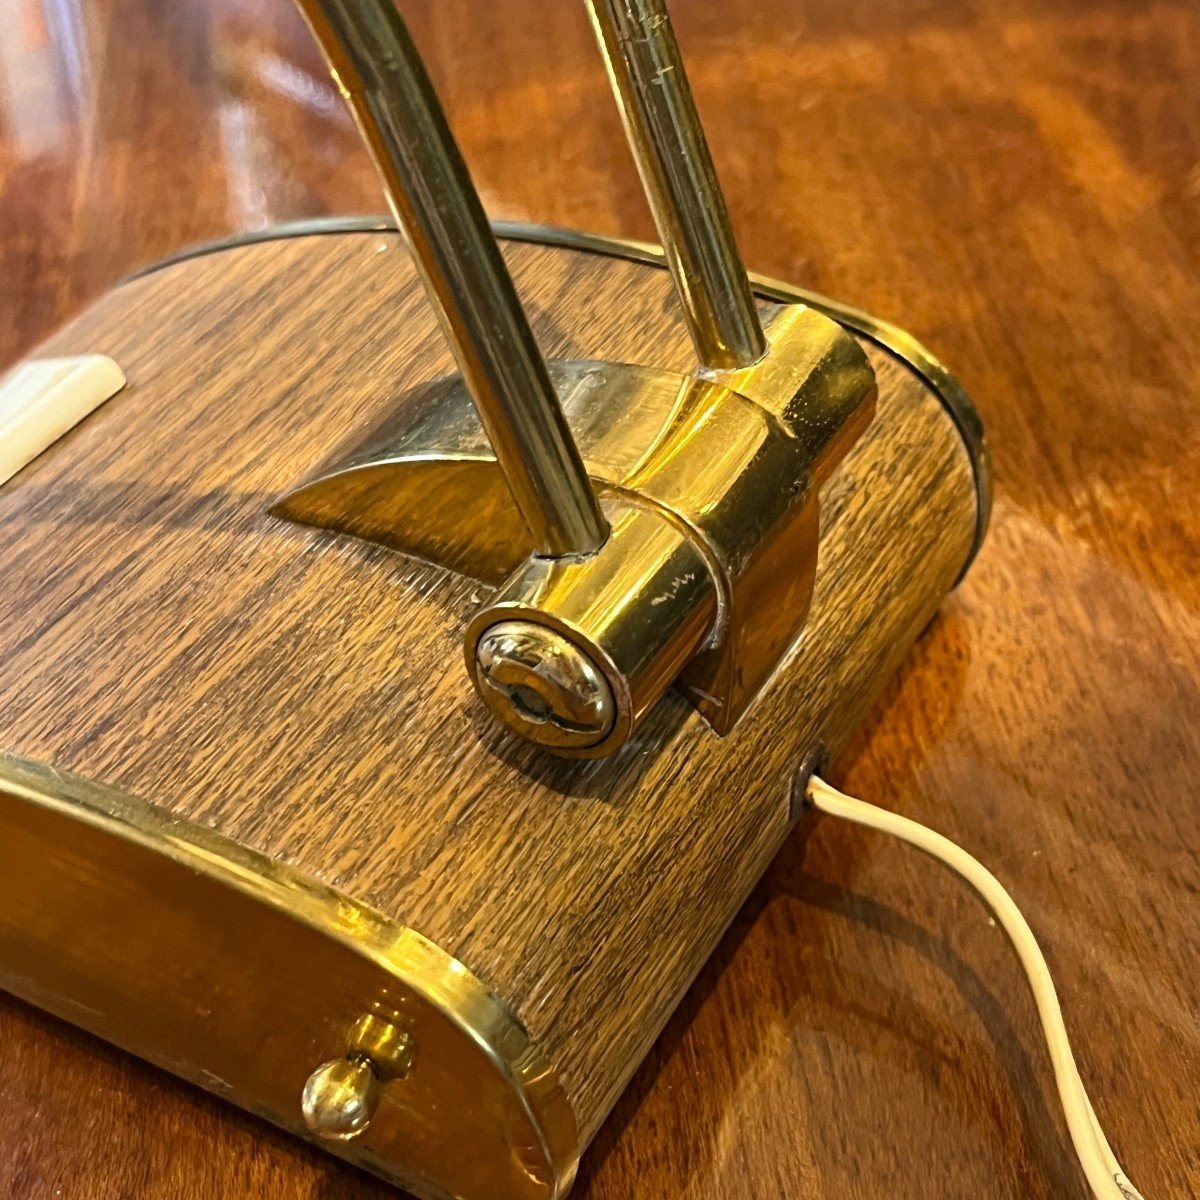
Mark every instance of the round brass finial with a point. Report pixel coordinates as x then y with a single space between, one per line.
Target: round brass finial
340 1098
542 685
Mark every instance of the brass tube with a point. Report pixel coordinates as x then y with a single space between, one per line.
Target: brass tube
664 132
380 73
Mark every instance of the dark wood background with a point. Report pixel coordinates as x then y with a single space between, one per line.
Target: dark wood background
1018 183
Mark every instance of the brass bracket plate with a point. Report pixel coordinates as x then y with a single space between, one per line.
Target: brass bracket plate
243 975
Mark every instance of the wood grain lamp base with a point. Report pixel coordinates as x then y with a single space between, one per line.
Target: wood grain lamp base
335 856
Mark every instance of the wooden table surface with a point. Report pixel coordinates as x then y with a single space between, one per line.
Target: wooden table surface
1018 183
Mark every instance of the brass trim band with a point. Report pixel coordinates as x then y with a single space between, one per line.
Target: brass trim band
242 975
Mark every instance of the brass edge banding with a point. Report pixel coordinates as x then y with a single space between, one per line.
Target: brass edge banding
892 338
419 964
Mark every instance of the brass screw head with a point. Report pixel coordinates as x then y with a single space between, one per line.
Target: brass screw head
340 1098
542 685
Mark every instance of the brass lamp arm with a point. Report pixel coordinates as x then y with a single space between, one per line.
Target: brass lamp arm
430 192
648 79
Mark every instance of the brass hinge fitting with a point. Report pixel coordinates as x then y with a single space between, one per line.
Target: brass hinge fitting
642 526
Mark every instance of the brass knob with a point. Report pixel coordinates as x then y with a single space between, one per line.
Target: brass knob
542 685
340 1098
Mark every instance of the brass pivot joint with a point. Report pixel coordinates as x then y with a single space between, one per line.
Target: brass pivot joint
667 522
709 484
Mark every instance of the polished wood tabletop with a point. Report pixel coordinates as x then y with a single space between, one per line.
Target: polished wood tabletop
1018 184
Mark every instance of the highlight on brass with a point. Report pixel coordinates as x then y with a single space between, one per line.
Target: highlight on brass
676 542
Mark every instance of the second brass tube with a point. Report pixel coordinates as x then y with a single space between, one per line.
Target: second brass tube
664 132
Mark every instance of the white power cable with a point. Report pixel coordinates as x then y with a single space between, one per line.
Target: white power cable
1104 1174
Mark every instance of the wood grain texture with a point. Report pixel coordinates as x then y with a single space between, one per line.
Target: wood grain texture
302 692
1016 183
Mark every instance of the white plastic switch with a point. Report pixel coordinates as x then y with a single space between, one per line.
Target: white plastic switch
42 398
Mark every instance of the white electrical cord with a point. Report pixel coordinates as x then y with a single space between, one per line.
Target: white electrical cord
1104 1174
